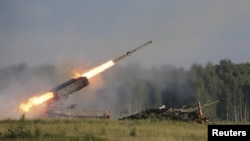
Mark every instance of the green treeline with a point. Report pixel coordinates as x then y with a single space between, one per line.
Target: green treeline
171 86
226 81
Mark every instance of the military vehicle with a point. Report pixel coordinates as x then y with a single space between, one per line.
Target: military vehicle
183 113
64 90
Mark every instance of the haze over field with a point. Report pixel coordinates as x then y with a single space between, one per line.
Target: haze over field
41 42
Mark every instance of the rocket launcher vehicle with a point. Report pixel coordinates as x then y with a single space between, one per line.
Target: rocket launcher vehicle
62 91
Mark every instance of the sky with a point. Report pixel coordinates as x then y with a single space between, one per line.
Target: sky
183 32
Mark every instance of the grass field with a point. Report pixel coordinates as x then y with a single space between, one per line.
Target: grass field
101 130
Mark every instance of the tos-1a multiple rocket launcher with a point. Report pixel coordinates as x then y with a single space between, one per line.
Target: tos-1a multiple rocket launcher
61 92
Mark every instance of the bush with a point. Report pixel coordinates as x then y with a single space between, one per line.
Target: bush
133 132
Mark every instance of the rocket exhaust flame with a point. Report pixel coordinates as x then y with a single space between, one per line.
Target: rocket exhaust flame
25 107
78 82
98 69
110 63
34 101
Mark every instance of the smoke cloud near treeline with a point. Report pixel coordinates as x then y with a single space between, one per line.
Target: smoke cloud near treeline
123 90
133 88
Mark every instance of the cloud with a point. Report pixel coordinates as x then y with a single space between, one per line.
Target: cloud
183 32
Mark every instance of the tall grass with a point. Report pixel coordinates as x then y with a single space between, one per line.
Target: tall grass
101 130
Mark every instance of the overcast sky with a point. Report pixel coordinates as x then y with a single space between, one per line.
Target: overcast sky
183 32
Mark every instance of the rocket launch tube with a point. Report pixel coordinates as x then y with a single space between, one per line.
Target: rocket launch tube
130 52
73 85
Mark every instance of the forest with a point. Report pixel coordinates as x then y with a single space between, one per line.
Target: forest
175 87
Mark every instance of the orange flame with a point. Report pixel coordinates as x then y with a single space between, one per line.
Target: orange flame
98 69
76 74
25 107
